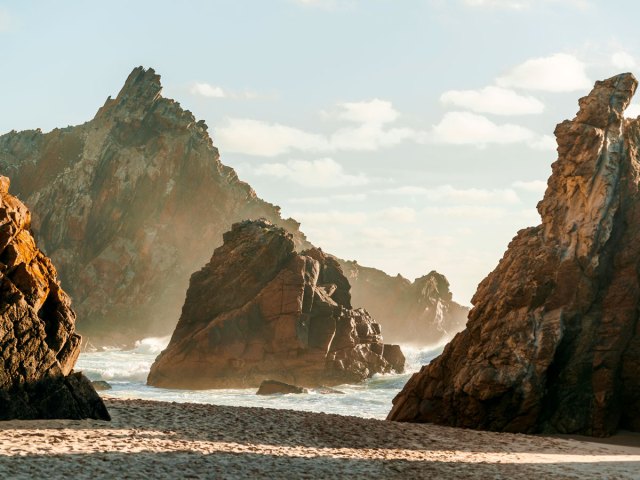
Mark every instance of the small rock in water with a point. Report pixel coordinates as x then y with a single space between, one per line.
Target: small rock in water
273 387
101 385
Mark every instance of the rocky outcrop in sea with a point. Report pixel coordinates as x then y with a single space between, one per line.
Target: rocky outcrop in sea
261 311
38 343
553 341
421 312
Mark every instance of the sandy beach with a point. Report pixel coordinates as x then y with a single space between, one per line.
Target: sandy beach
149 439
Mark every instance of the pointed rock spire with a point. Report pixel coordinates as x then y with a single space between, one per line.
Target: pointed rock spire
553 341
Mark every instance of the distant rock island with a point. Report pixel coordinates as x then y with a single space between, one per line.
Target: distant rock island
421 312
38 343
130 203
260 311
553 341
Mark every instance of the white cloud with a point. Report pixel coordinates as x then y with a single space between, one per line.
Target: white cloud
397 215
533 186
560 72
350 197
207 90
623 60
632 111
543 142
496 100
370 133
468 212
255 137
465 128
374 111
325 200
449 194
322 173
369 137
332 217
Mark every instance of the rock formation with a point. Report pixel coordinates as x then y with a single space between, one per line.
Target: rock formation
259 310
420 312
128 205
553 341
38 343
272 387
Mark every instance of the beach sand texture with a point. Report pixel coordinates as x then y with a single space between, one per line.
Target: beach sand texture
149 439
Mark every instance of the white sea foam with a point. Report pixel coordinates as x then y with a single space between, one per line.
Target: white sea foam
127 372
152 345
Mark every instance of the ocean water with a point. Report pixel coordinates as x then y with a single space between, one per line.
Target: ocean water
127 370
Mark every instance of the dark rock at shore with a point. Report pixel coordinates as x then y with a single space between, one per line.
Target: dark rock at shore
273 387
553 341
393 354
259 310
38 343
101 385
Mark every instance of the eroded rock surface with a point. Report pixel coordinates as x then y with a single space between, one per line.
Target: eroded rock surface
420 312
259 310
553 342
128 205
38 343
272 387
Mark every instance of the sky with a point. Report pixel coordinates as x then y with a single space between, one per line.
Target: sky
409 135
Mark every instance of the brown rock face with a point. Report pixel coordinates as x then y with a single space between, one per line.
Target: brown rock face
420 312
128 205
271 387
259 310
553 342
38 344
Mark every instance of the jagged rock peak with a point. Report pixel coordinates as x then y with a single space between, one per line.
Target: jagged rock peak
553 341
37 329
259 310
434 285
579 204
128 206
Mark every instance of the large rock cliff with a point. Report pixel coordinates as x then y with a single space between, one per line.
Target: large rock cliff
128 205
421 312
259 310
38 343
553 341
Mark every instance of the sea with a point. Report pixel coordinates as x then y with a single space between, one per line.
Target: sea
126 371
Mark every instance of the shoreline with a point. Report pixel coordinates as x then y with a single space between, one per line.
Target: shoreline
155 439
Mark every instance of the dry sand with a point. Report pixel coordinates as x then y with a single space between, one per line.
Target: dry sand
168 440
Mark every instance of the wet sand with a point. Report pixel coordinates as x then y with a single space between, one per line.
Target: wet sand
148 439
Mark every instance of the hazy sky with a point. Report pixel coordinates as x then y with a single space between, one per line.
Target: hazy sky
410 135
